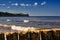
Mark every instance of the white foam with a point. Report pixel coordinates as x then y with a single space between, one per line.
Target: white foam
26 21
8 20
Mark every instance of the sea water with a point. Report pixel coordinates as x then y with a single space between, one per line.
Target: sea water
34 21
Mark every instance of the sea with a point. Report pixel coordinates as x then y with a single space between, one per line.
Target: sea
34 21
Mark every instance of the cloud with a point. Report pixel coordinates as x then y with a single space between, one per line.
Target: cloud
2 4
35 4
43 3
27 5
22 4
8 7
15 4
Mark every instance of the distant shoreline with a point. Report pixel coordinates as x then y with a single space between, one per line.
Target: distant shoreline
7 14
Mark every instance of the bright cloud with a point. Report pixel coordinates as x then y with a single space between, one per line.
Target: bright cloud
35 4
43 3
22 4
25 4
16 4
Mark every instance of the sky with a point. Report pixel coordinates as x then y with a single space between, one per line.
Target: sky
32 7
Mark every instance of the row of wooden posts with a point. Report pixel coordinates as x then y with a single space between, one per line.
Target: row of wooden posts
41 35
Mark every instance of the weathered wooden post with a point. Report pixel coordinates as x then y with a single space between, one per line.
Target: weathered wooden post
9 36
42 35
57 34
51 35
35 35
12 36
15 36
21 36
2 36
24 36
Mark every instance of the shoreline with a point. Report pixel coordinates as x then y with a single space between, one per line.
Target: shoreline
14 28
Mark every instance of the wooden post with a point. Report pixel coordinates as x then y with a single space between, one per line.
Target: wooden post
2 36
15 36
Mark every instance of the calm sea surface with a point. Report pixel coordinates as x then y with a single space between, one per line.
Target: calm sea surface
35 21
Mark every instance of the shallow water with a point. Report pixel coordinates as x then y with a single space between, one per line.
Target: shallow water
35 21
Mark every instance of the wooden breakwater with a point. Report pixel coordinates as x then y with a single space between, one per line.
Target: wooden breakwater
43 34
9 32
